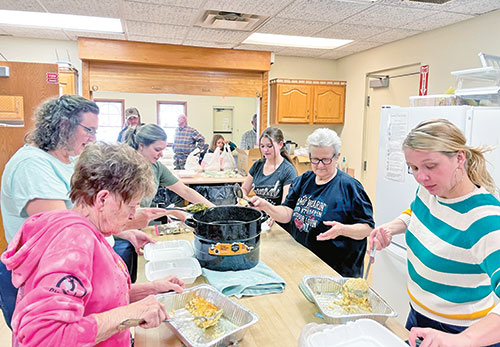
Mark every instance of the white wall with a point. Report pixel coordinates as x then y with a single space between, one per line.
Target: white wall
451 48
199 109
303 68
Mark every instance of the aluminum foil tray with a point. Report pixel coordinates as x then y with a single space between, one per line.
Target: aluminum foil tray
324 290
231 327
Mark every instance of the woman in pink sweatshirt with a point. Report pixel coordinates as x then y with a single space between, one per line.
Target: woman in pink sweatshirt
73 288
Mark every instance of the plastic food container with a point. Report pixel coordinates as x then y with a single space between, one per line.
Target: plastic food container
187 269
363 332
231 327
168 250
185 173
324 290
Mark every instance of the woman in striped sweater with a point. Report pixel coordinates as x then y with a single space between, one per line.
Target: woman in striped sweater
453 238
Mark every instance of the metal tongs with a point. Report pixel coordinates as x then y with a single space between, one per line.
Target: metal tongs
239 193
372 258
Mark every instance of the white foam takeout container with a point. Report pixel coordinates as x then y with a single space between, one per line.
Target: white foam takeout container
360 333
187 269
168 250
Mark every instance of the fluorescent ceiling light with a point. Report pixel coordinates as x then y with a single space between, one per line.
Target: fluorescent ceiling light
294 41
60 21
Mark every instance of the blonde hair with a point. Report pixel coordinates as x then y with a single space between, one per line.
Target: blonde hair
440 135
216 138
117 168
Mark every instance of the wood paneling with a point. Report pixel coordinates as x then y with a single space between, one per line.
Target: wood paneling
29 81
67 82
119 51
156 79
264 102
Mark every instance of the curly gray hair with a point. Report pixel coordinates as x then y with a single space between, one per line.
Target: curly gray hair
324 137
57 120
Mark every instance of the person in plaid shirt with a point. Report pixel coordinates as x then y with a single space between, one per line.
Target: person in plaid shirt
186 140
249 138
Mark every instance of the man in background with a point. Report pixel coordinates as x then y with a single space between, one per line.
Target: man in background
132 119
186 140
249 138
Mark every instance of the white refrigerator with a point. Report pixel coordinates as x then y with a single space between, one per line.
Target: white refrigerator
396 187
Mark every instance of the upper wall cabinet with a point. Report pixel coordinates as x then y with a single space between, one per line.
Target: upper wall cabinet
307 102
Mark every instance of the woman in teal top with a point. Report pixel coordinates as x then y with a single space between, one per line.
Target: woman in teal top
150 140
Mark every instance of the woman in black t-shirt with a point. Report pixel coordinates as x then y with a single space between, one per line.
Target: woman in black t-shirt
328 210
271 176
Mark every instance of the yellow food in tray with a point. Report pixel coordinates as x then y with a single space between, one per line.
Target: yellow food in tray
355 296
198 306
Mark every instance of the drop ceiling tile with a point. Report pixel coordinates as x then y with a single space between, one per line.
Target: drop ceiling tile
98 8
288 26
475 7
174 32
153 39
436 21
265 48
301 52
335 54
25 5
216 35
350 31
260 7
74 35
388 16
180 3
393 35
358 46
413 4
159 14
322 10
50 34
208 44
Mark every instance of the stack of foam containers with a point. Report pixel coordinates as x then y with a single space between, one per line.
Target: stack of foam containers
166 258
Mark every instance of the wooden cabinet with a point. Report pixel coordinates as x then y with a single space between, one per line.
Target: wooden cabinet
68 80
307 102
11 108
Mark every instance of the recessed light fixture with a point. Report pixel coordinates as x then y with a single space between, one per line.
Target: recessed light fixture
60 21
294 41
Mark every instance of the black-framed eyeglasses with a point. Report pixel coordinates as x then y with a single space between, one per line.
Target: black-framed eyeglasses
90 131
325 161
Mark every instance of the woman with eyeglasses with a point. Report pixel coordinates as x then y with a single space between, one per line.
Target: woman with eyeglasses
329 210
37 177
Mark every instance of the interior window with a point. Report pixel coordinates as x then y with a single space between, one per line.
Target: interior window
167 117
110 119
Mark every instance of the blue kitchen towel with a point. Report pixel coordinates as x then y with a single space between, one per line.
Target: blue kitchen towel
258 280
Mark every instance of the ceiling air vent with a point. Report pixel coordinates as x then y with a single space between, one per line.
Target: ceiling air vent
229 20
436 2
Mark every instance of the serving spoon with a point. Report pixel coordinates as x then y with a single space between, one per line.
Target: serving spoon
239 193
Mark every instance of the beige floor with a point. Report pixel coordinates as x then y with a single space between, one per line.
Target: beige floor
6 334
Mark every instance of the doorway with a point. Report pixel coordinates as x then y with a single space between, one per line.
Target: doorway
403 83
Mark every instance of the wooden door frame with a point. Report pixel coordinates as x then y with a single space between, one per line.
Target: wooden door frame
127 54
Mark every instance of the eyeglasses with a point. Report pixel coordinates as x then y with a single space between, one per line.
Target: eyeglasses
325 161
90 131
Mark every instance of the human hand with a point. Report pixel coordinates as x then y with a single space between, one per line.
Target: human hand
336 229
137 238
178 214
381 237
259 203
436 338
168 284
145 215
149 310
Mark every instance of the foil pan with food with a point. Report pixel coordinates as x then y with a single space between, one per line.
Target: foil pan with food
232 321
342 299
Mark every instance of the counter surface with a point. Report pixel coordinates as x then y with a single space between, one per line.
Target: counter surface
281 316
200 179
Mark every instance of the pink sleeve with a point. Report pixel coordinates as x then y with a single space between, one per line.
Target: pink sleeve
51 305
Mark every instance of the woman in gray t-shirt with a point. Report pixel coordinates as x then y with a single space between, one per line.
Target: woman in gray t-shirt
271 176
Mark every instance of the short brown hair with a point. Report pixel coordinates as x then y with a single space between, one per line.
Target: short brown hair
117 168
